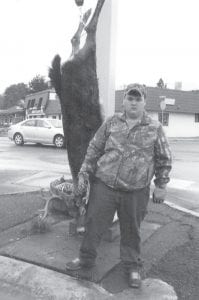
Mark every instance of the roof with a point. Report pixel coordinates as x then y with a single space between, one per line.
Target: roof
53 107
11 110
36 97
40 92
185 101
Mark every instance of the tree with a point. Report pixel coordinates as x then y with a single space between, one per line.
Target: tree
1 101
14 93
161 84
37 84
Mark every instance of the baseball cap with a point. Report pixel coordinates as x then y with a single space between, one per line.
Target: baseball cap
136 87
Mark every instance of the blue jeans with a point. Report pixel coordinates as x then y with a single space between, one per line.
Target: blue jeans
131 208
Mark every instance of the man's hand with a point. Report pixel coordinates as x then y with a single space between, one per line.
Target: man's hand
159 195
82 185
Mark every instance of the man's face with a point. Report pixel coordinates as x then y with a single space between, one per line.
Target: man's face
134 105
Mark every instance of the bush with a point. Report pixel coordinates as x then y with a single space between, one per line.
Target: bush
3 131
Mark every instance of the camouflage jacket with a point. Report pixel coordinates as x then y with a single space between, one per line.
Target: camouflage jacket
127 159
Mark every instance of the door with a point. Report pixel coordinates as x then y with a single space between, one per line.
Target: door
28 130
44 132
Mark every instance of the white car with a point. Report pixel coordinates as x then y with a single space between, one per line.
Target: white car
38 130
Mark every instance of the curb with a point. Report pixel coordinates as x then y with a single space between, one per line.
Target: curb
22 193
182 209
36 282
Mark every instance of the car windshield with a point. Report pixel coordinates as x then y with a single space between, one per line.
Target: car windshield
56 123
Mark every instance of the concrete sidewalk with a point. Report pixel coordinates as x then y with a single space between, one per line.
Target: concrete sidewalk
33 267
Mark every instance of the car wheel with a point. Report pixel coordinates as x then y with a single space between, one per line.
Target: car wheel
18 139
59 141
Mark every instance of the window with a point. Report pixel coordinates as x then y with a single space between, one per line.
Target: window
197 118
29 123
163 118
52 96
56 123
39 103
32 103
41 123
29 103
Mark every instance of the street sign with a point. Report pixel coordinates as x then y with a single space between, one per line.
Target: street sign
170 101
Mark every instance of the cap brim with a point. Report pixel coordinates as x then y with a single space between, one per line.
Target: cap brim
134 90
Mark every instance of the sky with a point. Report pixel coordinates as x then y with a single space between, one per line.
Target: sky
155 39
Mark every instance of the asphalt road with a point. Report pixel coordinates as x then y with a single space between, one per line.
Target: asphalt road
32 157
183 190
17 163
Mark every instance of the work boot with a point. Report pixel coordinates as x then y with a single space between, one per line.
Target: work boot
135 279
76 264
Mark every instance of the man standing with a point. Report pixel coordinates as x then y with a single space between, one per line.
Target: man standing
121 160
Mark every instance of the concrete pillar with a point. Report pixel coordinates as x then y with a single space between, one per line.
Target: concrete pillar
106 55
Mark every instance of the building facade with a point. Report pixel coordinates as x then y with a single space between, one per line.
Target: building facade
11 115
177 110
44 104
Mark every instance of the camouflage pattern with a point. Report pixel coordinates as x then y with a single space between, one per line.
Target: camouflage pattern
75 200
136 87
127 159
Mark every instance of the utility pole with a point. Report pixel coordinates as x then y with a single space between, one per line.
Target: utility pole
162 107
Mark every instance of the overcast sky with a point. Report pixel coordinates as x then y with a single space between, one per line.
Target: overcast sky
156 38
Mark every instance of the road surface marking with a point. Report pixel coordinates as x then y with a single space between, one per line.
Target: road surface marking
178 207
